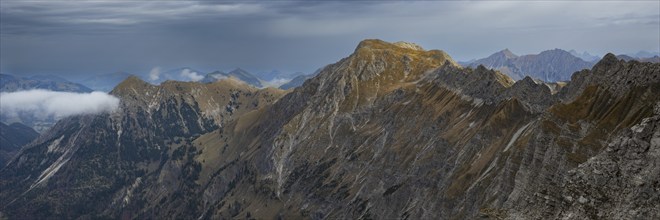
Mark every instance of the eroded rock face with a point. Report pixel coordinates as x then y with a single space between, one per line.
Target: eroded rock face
392 131
454 143
621 182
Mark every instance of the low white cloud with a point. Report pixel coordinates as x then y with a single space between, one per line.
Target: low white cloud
194 76
154 74
44 103
275 83
218 77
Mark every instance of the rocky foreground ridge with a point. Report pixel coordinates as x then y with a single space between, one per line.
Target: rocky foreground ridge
391 131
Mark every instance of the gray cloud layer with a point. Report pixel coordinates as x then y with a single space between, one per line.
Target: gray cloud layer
43 103
104 36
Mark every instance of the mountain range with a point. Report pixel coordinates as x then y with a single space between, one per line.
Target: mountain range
237 73
10 83
549 66
104 82
391 131
586 56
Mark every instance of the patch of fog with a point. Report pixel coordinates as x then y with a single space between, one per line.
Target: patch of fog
43 104
275 83
192 75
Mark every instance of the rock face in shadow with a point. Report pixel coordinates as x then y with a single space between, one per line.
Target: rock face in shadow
620 182
391 131
12 138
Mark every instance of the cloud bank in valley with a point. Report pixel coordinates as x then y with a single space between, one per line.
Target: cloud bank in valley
192 75
275 83
45 103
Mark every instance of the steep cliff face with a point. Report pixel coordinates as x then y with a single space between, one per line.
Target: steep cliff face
620 182
455 143
391 131
449 143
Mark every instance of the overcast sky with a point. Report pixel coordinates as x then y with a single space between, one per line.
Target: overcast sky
73 38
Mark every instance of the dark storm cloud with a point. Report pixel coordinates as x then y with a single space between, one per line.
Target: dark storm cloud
82 37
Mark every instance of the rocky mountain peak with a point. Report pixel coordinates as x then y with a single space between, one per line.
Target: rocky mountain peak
607 60
132 84
377 67
384 45
557 53
507 53
408 45
238 70
405 49
534 95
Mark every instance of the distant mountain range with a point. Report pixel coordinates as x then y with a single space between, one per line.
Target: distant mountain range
105 82
654 59
585 56
237 73
644 54
10 83
549 66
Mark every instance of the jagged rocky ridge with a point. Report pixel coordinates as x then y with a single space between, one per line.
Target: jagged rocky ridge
392 131
620 182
